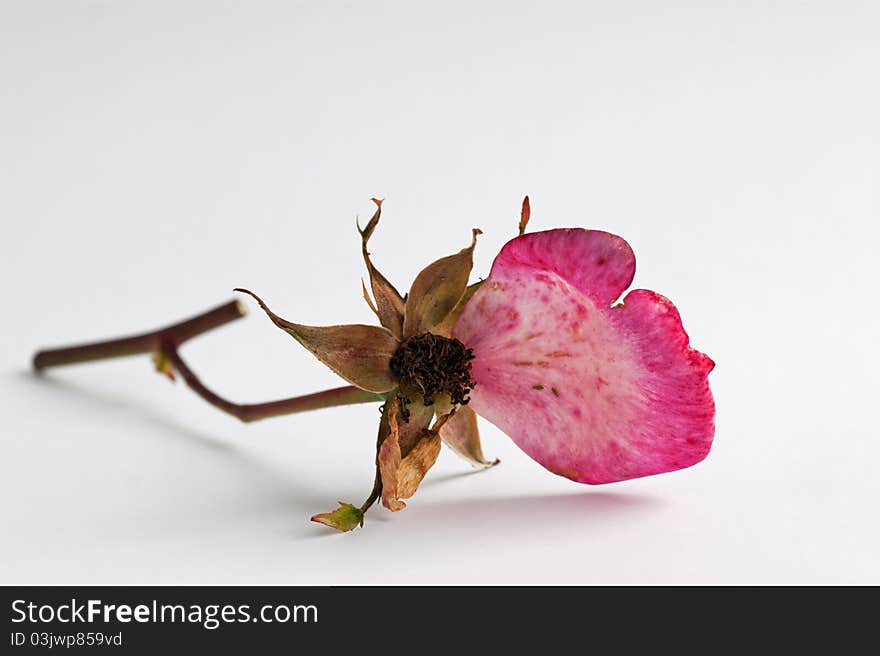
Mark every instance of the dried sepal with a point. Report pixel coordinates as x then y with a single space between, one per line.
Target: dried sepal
389 303
358 353
403 470
444 328
461 434
524 215
401 431
414 467
389 458
437 290
420 459
369 300
343 519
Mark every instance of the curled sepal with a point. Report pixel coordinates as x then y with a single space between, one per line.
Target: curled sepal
461 434
344 518
360 354
437 290
524 215
368 299
389 303
389 458
401 474
420 459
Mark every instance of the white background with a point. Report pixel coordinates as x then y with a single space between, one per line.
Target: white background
155 155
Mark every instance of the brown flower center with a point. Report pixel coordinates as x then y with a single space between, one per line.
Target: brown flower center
431 365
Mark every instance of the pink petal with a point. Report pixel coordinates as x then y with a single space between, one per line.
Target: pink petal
594 393
598 263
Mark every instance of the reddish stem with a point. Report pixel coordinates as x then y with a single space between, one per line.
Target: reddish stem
143 343
252 411
167 341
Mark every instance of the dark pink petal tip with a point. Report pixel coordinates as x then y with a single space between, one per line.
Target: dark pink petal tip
594 392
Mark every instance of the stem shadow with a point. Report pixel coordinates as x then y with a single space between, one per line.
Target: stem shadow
234 488
245 483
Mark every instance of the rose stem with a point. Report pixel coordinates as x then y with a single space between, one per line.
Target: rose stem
375 492
138 344
167 340
253 411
